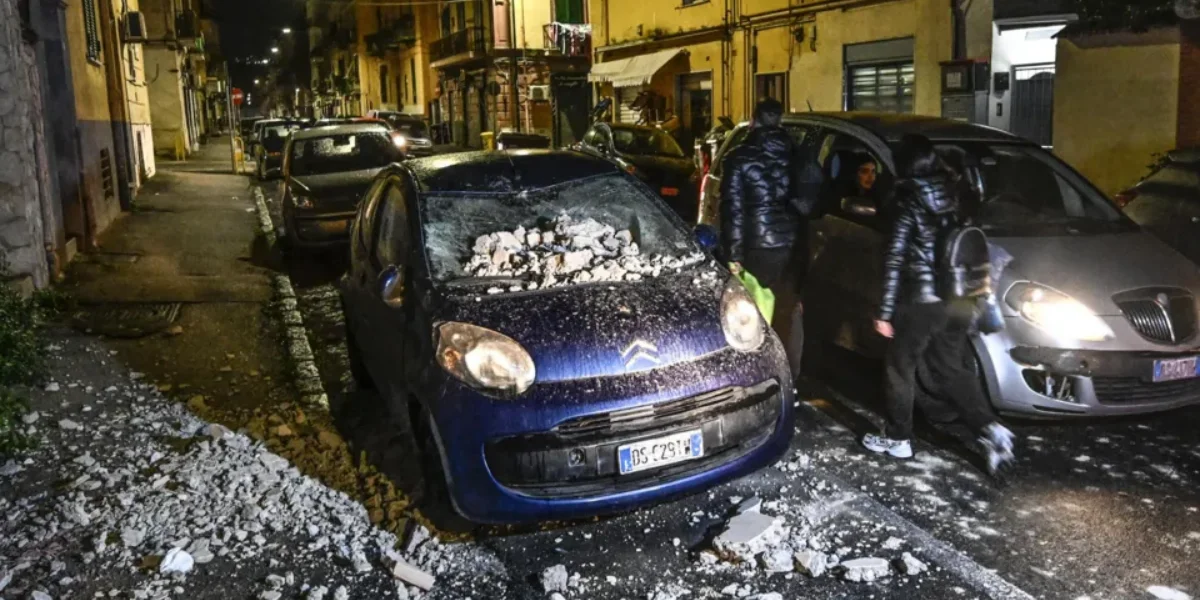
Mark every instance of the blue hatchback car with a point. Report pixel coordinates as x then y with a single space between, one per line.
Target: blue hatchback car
542 397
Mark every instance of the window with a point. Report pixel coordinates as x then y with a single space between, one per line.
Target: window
91 30
383 84
771 85
570 11
412 68
691 2
341 152
392 231
881 88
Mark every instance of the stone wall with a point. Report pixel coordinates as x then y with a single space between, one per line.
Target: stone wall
23 175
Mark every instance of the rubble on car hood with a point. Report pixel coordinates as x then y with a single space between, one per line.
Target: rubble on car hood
565 252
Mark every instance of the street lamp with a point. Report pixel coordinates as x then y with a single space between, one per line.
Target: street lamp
287 29
255 82
274 49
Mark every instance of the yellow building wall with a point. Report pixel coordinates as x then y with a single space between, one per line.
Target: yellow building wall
88 77
400 64
1113 108
530 18
654 18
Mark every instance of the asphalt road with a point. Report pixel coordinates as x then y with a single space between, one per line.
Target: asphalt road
1099 509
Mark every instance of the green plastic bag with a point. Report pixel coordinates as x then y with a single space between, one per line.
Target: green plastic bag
763 297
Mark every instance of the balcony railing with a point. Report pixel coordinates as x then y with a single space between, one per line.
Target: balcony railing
394 36
568 39
471 39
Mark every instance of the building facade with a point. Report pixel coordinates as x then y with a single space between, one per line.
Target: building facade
174 60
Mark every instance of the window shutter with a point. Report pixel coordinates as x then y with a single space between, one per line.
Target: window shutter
91 30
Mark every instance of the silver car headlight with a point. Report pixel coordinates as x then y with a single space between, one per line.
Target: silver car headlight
484 359
1057 313
740 319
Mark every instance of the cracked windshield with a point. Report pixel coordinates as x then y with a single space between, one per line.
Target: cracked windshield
600 300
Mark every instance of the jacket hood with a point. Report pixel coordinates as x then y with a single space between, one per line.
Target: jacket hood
604 330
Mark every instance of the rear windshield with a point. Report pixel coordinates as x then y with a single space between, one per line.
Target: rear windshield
453 223
410 127
651 142
343 152
1019 190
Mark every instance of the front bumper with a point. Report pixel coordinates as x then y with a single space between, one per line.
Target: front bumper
551 454
1043 382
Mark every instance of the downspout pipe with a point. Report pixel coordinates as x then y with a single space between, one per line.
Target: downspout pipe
958 12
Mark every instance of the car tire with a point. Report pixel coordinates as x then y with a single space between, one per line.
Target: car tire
436 502
358 368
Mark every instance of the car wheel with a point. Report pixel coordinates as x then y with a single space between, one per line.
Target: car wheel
436 503
358 368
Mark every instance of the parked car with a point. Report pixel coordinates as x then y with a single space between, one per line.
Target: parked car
511 140
325 172
1101 317
413 129
565 401
653 156
246 126
268 151
1167 202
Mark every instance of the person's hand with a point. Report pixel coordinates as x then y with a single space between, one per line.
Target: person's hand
884 328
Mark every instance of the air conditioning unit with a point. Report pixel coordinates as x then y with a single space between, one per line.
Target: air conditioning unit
539 92
135 28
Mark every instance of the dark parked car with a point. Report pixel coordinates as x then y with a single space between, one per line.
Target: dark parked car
521 141
325 172
411 130
1167 203
268 151
653 156
562 401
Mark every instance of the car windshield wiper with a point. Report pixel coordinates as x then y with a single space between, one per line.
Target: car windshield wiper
492 280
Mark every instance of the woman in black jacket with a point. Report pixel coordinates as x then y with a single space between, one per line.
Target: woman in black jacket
930 335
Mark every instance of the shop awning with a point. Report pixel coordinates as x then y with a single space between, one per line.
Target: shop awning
632 71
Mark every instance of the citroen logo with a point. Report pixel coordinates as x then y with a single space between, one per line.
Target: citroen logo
1163 300
640 350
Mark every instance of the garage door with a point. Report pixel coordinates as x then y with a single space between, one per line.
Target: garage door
625 97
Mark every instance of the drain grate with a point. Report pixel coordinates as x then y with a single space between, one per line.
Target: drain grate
126 320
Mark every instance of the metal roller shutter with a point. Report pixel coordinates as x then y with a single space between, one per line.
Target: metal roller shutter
625 98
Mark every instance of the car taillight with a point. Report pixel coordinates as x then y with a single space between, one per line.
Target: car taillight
1124 198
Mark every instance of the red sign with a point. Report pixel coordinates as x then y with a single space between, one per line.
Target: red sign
236 93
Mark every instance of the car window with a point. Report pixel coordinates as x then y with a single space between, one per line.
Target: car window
392 232
646 142
851 170
367 218
800 133
1020 190
339 152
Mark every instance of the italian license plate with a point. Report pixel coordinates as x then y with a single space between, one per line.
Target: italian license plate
670 191
658 452
1172 369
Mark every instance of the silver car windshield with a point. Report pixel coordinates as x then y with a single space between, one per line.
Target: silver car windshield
1020 190
452 223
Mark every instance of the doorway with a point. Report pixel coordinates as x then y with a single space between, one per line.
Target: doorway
695 108
1033 103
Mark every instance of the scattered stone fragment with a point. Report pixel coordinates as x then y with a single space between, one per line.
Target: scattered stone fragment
811 562
865 569
778 560
557 596
911 565
52 386
69 425
893 543
40 595
5 579
176 561
270 595
340 593
196 404
555 579
30 417
10 468
404 571
132 538
317 593
766 596
747 534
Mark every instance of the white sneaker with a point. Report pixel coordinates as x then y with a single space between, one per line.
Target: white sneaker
1001 438
894 448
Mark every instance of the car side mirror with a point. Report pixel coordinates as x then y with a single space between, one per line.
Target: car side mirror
391 286
859 206
706 237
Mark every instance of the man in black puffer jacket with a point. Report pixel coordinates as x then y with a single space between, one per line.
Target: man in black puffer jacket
759 224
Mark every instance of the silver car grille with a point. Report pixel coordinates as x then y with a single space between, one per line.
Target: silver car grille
1160 315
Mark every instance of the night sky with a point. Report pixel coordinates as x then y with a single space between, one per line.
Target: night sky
248 30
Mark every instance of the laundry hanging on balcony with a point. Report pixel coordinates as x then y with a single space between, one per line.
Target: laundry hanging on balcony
570 39
637 70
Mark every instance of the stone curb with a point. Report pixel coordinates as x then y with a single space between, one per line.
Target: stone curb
305 376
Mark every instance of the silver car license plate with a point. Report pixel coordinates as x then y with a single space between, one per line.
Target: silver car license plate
660 452
1173 369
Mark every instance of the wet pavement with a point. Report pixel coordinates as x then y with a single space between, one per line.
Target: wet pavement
1095 509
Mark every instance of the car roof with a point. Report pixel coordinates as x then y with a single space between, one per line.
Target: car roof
504 171
338 129
891 127
632 127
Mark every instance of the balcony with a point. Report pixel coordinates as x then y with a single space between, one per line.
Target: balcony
394 36
473 40
187 26
568 39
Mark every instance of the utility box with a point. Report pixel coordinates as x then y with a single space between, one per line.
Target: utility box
965 90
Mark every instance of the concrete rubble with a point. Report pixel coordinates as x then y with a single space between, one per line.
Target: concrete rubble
566 251
865 569
555 579
911 565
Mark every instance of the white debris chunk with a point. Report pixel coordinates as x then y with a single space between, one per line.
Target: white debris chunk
52 386
176 561
865 569
911 565
5 579
748 534
893 543
404 571
40 595
778 560
317 593
270 595
811 562
30 417
766 596
132 538
555 579
10 468
1162 592
69 425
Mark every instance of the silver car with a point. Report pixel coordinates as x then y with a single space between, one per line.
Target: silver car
1101 317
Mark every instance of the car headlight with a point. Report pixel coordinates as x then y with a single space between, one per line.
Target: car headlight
740 318
400 141
304 202
1056 313
483 358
